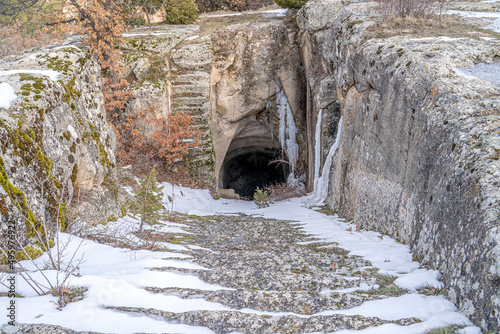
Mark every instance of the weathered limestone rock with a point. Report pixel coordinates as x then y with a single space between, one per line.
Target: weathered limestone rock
317 14
419 151
195 56
418 157
56 146
226 79
170 66
249 61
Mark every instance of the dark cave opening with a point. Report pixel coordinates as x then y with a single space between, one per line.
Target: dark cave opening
253 168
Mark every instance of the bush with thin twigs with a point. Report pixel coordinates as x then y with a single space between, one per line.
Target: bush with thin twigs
46 235
282 191
145 141
406 8
14 40
116 234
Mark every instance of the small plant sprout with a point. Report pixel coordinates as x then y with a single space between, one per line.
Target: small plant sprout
261 198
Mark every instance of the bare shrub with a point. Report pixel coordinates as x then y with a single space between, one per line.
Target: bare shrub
406 8
60 253
13 39
282 191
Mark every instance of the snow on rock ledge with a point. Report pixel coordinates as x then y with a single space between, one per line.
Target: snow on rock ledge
54 136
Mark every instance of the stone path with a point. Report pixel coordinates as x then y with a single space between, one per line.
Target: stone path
272 267
269 267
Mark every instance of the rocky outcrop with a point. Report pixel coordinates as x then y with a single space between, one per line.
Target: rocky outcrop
170 73
251 62
226 79
57 150
419 148
418 156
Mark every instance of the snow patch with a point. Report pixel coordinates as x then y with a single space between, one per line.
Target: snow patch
277 12
223 15
486 72
420 278
7 95
53 75
493 17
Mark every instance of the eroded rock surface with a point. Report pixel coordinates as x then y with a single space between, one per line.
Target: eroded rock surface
170 73
54 140
418 155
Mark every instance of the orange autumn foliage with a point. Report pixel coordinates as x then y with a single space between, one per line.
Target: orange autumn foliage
102 23
150 140
13 38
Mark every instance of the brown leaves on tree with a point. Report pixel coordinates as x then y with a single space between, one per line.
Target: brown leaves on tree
103 25
145 140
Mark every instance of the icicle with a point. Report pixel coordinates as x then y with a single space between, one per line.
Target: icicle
324 180
281 103
287 130
317 150
292 148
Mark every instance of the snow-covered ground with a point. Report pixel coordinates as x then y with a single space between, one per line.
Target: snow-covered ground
7 95
492 18
117 276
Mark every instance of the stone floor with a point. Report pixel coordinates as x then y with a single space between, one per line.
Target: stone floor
271 267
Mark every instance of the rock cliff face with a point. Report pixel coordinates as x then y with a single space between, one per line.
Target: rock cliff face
170 73
418 155
227 79
56 147
252 62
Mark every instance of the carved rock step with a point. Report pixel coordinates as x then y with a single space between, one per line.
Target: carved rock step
192 78
223 322
183 101
191 89
296 301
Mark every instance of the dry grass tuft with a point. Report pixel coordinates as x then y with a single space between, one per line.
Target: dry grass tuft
449 25
68 295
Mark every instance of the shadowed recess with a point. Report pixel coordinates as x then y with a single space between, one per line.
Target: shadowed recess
252 161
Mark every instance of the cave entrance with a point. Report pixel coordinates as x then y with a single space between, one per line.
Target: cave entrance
251 169
252 161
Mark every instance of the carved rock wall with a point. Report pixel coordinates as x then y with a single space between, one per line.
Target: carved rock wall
418 157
